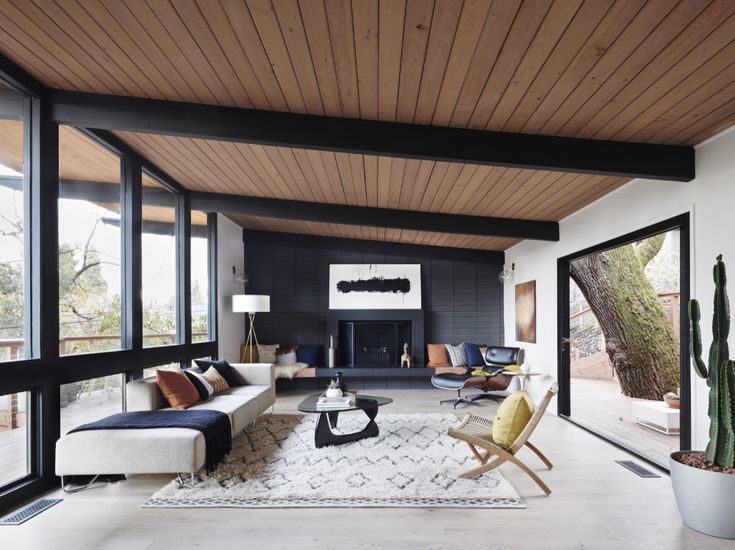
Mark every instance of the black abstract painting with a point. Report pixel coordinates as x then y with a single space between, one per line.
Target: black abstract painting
399 285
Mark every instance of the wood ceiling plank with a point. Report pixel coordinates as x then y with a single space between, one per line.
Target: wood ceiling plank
320 173
345 176
145 28
391 15
454 185
410 174
357 169
261 164
634 34
415 40
497 26
690 49
187 152
553 28
528 209
330 165
194 53
219 23
601 189
488 203
469 29
397 171
701 119
285 162
339 16
435 180
234 153
384 171
316 27
54 74
293 69
526 181
261 154
28 20
525 28
704 92
371 179
365 21
595 46
292 28
576 34
241 23
441 38
708 60
656 43
426 168
475 188
316 185
540 184
110 37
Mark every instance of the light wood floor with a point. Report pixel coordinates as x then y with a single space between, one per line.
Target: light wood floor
595 504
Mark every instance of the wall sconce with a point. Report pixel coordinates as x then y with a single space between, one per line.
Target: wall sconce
507 273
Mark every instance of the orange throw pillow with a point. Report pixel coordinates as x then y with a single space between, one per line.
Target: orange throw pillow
438 356
176 388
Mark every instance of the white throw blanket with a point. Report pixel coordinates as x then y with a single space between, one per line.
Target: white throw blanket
289 371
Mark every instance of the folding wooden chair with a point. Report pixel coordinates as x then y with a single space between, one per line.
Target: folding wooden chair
476 431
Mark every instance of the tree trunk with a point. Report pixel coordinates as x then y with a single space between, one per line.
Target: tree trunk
639 340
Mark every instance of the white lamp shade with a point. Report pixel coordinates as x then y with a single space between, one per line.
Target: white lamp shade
251 303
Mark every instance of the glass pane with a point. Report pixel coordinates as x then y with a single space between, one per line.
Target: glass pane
12 239
89 245
14 437
89 400
199 277
159 265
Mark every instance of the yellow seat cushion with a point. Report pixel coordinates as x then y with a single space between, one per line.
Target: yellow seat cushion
512 416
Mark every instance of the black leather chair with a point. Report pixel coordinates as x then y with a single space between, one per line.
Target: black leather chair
496 359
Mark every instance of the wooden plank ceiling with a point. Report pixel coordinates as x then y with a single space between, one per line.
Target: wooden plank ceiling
659 71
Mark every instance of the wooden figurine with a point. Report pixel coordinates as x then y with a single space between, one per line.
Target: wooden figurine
405 358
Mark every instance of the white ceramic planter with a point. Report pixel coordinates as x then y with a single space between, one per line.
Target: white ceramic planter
706 499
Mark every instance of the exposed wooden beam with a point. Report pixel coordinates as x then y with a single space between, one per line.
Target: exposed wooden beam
610 158
376 217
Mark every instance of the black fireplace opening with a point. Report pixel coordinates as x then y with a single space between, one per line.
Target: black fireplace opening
373 344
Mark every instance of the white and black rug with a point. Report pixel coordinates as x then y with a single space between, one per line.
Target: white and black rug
413 463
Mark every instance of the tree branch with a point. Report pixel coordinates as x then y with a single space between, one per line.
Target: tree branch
647 249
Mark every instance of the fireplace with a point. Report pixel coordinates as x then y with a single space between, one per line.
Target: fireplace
373 339
376 344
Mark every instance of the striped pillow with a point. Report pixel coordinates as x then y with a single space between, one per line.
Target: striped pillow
215 380
457 355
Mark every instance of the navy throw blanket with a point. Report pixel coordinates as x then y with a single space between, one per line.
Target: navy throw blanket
215 426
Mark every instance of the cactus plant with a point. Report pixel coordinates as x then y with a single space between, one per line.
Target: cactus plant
719 373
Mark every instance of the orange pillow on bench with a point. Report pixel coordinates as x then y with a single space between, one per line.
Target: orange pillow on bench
438 355
176 388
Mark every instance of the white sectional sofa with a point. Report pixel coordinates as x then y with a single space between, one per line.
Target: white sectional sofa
164 450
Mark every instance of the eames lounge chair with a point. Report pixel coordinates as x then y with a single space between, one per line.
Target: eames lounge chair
496 359
476 431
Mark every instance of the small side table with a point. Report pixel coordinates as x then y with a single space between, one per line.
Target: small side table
522 376
656 415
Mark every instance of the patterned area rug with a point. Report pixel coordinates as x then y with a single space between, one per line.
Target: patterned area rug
413 463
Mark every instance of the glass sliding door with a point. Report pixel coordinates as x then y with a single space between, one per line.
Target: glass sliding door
15 448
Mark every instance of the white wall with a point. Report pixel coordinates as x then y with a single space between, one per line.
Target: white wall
230 252
710 200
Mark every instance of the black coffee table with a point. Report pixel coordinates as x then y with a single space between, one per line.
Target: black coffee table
323 434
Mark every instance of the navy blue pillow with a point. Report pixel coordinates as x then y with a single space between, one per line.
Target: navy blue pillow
308 353
474 355
223 368
203 393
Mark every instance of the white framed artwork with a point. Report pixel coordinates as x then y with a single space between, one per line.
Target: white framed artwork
375 286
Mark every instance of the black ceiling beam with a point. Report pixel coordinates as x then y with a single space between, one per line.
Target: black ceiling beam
376 217
97 191
20 79
610 158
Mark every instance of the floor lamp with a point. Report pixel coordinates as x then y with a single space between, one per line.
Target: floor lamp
250 304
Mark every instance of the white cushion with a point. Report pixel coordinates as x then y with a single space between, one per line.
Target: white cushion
155 450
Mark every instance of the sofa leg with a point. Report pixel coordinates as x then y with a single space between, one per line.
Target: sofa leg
182 483
69 489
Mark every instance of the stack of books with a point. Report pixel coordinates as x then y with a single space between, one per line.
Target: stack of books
330 403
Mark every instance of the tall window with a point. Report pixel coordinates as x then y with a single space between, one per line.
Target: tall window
199 277
14 437
159 264
12 240
89 245
89 400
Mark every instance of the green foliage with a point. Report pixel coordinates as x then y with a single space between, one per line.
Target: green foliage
719 372
11 300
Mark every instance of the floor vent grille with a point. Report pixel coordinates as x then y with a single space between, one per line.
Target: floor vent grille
637 468
23 515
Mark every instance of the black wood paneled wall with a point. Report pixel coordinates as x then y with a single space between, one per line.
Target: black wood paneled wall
462 300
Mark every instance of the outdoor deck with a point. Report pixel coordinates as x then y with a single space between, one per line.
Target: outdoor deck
89 407
599 405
